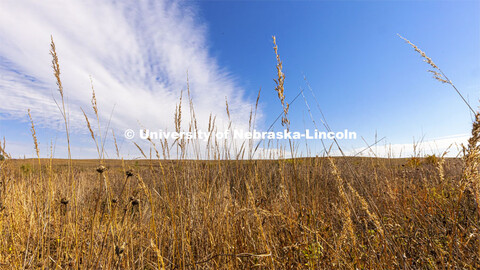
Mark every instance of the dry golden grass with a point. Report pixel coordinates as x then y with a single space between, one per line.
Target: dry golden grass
152 214
302 213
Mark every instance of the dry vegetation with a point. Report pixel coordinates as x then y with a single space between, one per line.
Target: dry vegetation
302 213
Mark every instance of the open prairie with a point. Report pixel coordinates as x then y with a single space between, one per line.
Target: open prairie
232 210
171 156
315 213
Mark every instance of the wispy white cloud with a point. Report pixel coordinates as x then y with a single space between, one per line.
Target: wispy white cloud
137 52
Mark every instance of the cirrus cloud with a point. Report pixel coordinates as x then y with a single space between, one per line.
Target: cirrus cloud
137 52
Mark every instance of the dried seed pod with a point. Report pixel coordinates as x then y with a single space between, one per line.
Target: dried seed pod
119 249
134 201
101 169
129 173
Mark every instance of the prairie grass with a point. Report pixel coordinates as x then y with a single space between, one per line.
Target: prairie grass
238 215
235 213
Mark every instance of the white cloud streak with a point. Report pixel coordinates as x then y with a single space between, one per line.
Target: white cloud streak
137 52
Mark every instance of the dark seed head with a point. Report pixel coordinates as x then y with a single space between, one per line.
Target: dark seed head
134 201
101 169
129 173
119 249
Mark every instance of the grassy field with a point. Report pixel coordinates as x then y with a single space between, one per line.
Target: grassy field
316 213
239 213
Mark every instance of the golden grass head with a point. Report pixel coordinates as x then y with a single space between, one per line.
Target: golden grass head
94 98
280 80
92 134
34 134
427 59
56 66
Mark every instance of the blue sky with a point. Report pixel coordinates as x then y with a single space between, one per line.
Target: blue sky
366 79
